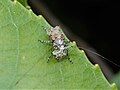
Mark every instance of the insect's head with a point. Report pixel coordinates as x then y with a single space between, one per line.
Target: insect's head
55 33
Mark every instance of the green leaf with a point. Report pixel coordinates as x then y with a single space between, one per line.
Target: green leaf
23 2
116 79
23 60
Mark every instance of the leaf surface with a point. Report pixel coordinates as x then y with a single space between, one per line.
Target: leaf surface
23 60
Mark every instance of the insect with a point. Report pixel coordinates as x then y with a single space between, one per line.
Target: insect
60 46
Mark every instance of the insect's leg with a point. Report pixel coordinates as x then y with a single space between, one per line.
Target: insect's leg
49 58
68 55
46 42
67 41
68 44
68 58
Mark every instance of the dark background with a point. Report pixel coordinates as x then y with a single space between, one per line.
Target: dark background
97 22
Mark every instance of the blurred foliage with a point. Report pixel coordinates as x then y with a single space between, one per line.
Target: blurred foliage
116 79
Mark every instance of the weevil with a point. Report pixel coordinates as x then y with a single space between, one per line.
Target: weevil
60 46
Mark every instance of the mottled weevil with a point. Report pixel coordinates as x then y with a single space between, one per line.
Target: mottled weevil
60 46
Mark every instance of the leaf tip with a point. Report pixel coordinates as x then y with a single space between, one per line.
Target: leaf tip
30 10
14 1
28 7
113 86
40 16
74 42
82 51
96 66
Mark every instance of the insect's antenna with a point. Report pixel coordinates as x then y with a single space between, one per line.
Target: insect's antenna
99 56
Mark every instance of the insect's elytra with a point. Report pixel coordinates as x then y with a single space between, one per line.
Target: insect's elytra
60 47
